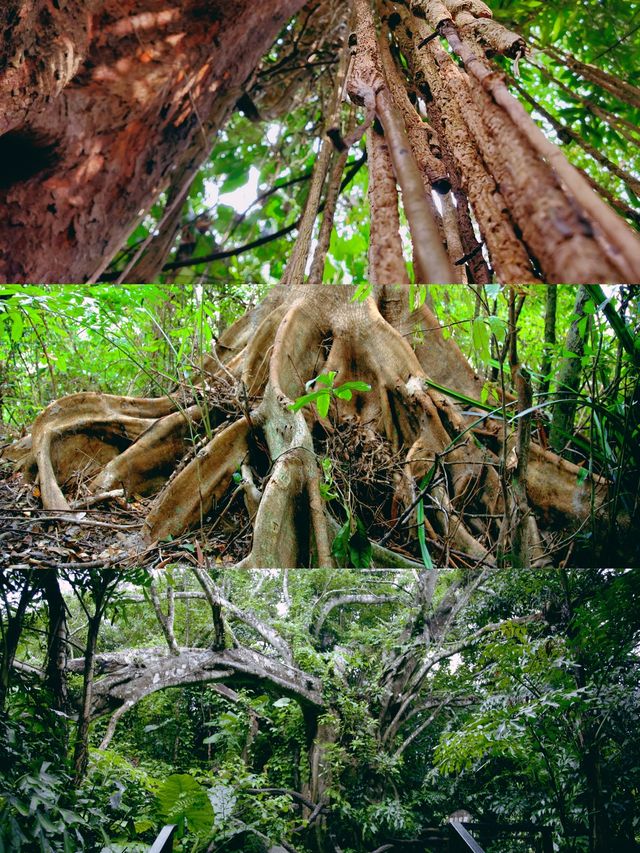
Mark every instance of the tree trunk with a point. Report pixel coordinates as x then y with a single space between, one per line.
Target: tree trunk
156 82
569 376
551 310
100 594
81 748
57 647
11 631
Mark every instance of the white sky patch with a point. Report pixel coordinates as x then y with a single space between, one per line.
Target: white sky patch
454 662
272 133
239 199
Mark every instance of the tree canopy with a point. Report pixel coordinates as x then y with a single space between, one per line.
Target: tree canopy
338 711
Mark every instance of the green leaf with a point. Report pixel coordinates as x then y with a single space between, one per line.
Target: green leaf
480 338
363 291
183 800
235 179
340 544
303 401
17 325
498 327
343 393
422 539
215 738
327 379
323 403
355 385
360 550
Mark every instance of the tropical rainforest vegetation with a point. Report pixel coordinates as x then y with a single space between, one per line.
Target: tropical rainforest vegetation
385 426
320 710
329 141
405 589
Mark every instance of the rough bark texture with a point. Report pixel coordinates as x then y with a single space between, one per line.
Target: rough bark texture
57 642
386 261
369 86
156 82
105 104
41 47
546 216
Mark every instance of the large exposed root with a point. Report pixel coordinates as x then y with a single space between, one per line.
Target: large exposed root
188 496
189 453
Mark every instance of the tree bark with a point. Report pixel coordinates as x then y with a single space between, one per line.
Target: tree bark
157 81
549 338
127 677
101 591
57 647
569 374
11 631
41 48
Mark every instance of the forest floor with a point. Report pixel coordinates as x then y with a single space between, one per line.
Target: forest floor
103 537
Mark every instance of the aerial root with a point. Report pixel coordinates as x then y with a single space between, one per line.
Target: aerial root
148 445
290 521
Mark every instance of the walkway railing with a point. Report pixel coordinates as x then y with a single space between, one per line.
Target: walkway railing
541 836
466 841
455 837
164 841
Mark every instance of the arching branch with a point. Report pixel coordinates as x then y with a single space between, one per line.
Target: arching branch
125 678
342 600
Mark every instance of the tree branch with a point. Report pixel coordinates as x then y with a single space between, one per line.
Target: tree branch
351 598
428 665
166 622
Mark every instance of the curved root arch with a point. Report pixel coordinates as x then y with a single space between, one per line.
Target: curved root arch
187 453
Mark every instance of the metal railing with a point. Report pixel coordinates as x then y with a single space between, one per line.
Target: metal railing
466 841
462 839
164 841
456 835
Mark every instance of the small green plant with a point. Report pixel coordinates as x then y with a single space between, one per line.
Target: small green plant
327 488
323 396
351 546
362 293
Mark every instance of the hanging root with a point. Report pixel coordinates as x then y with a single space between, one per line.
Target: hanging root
383 444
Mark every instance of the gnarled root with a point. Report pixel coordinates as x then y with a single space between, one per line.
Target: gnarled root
266 361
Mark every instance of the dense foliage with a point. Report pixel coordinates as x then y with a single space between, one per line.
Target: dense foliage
147 340
531 714
324 710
